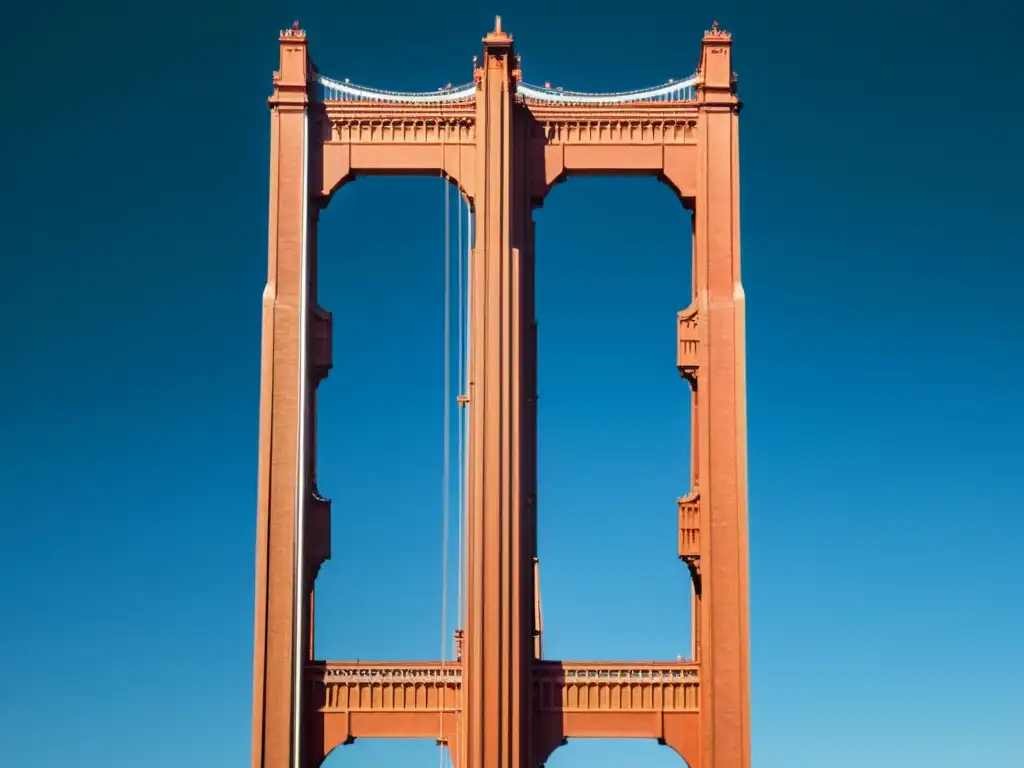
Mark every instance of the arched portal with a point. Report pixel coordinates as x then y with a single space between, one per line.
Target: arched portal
383 753
614 753
613 269
382 256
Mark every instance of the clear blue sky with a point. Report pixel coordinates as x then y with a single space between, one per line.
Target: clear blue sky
881 172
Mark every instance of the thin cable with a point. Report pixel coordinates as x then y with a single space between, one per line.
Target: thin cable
460 475
446 470
468 415
463 479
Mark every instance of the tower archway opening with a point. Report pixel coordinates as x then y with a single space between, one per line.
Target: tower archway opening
613 753
375 753
380 418
613 260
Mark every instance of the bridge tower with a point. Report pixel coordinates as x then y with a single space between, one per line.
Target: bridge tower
503 143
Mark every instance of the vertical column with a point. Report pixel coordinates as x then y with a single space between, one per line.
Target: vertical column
499 607
279 593
725 707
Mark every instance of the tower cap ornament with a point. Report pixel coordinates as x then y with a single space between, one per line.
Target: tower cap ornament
498 33
295 30
717 32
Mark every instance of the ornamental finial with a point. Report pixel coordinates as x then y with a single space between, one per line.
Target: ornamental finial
293 31
717 32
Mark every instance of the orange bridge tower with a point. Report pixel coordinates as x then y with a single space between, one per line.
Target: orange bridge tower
503 143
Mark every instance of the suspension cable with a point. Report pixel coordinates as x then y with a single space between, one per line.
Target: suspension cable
460 475
446 469
467 412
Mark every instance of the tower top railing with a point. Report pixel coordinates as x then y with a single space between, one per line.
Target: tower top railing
329 89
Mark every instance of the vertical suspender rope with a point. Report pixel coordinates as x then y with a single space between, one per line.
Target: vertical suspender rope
467 412
460 474
446 470
462 422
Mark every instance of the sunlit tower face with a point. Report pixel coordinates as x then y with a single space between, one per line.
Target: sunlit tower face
494 701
